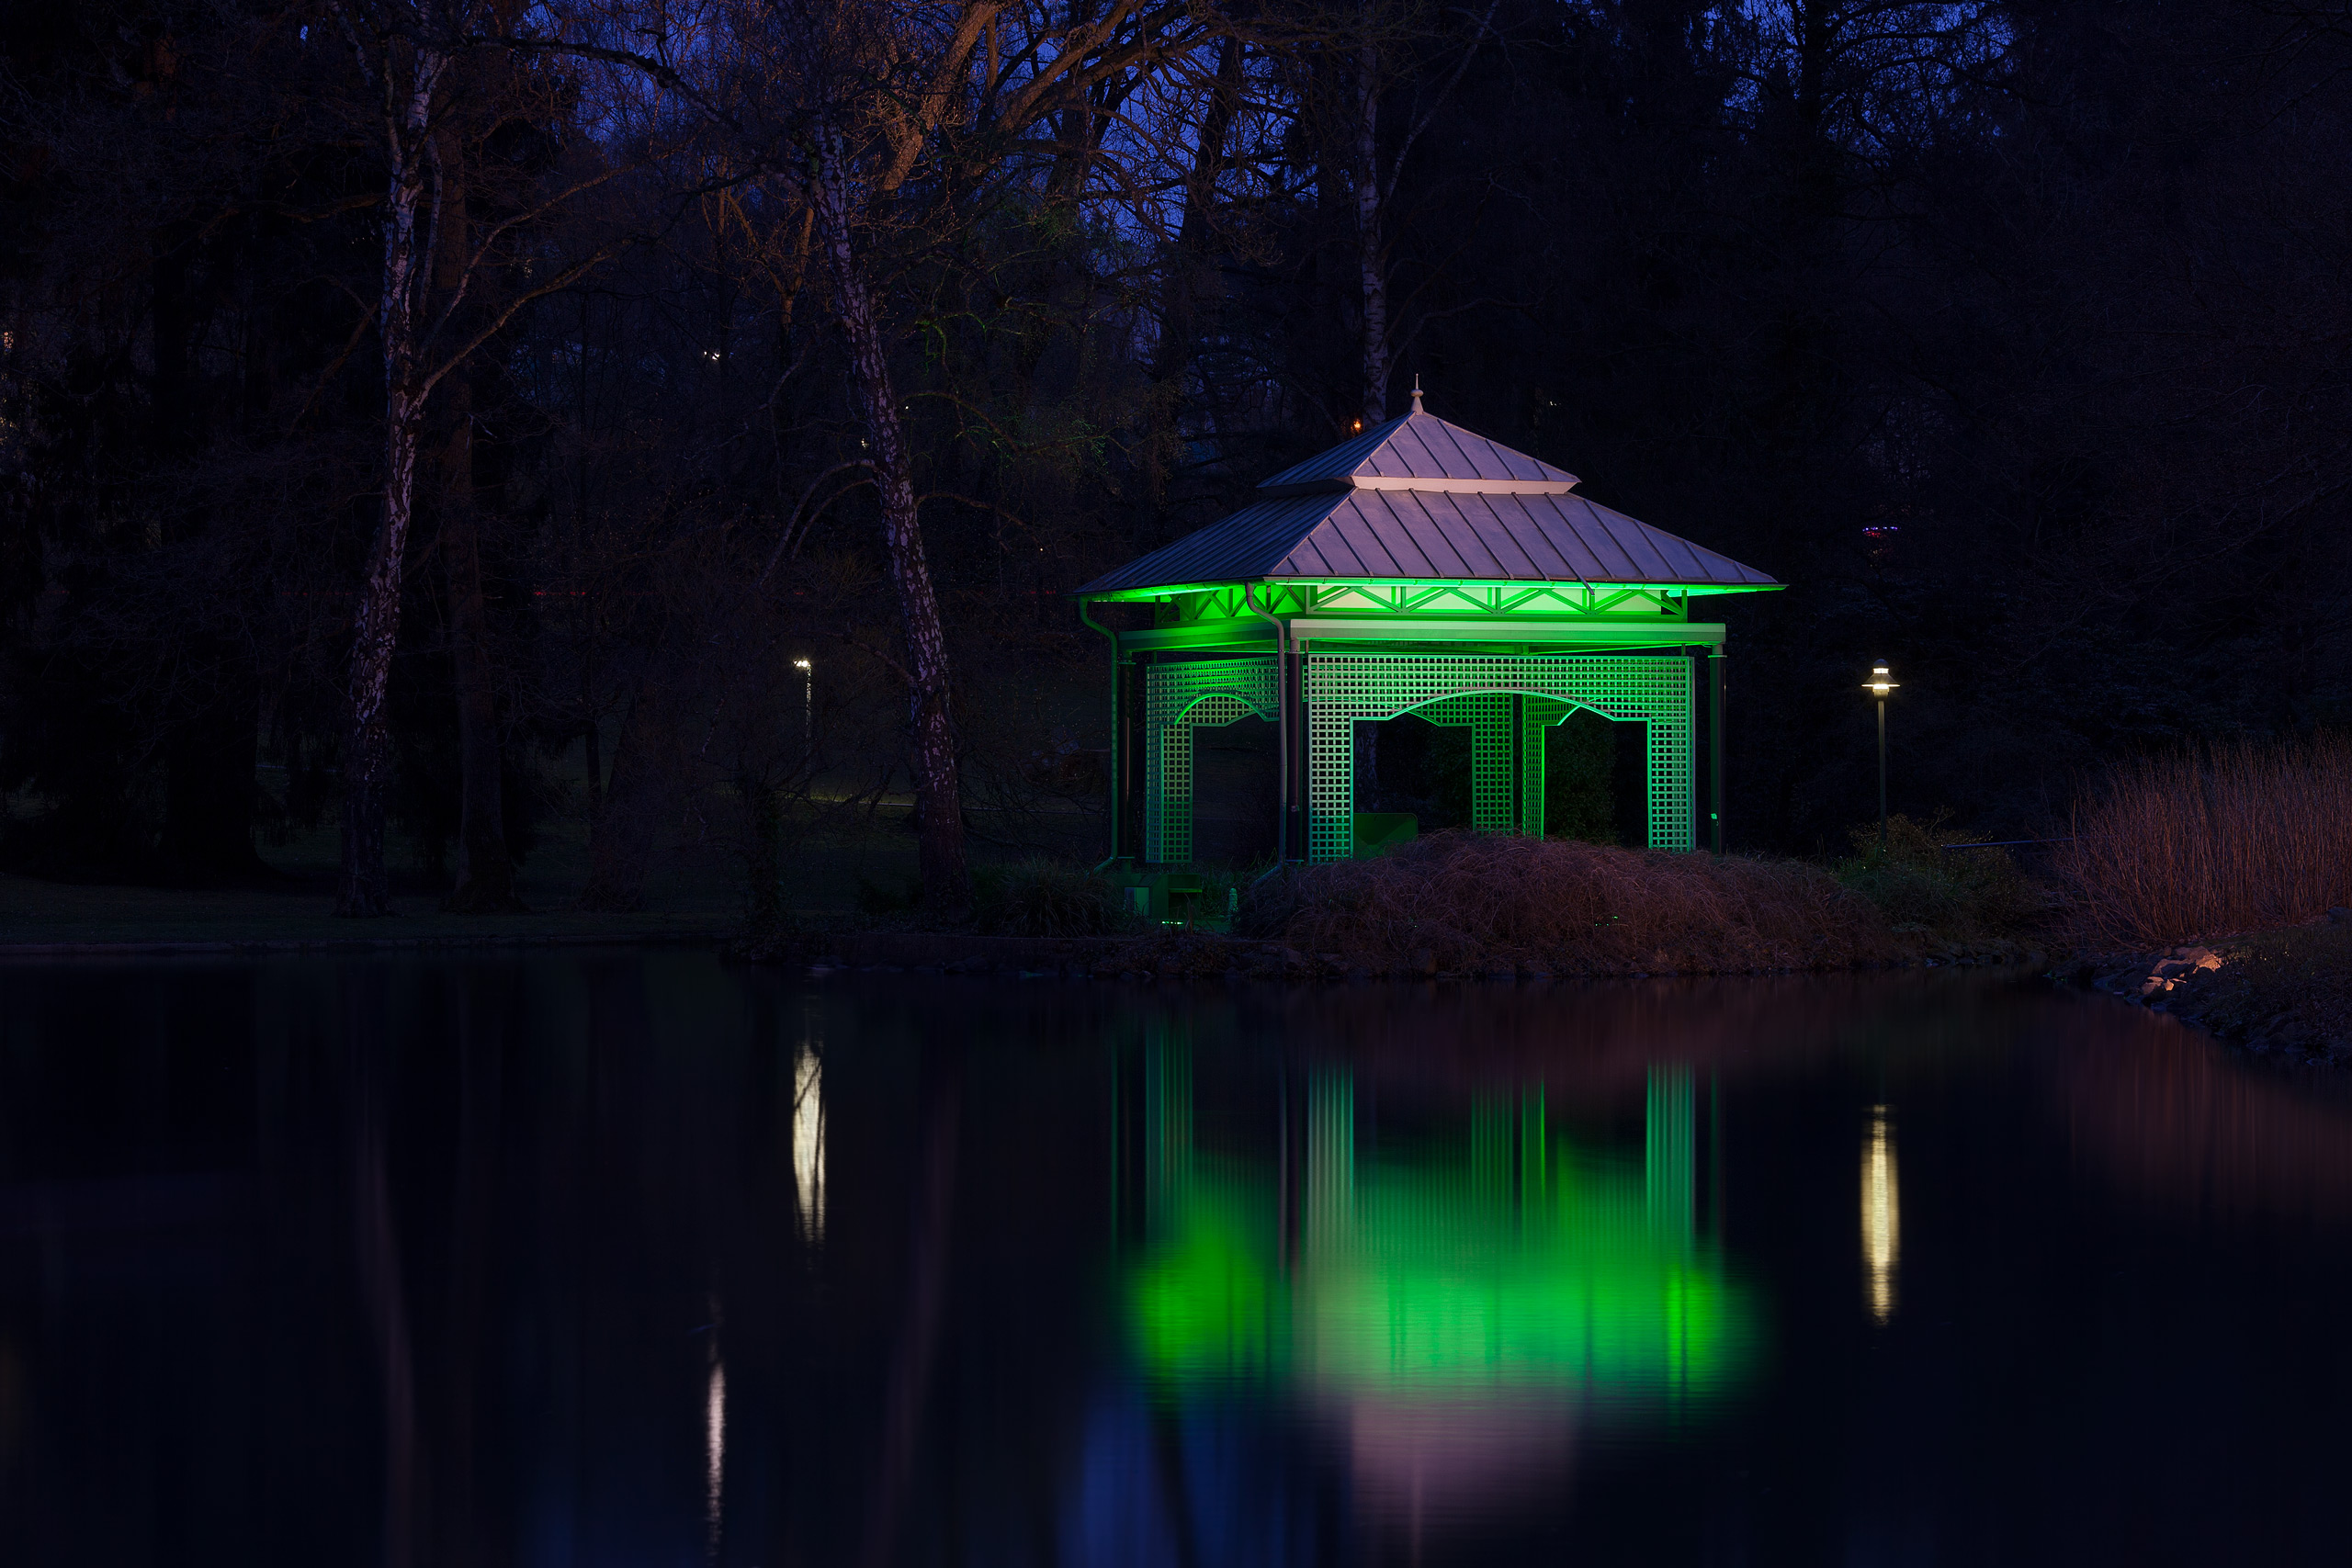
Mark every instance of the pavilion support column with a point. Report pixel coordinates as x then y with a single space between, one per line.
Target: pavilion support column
1116 769
1167 770
1492 718
1128 761
1696 728
1518 802
1156 804
1538 716
1672 797
1715 750
1292 676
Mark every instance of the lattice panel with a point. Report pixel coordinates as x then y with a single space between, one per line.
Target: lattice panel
1538 715
1342 688
1487 715
1179 698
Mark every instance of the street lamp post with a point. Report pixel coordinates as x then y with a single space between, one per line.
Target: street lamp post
1880 685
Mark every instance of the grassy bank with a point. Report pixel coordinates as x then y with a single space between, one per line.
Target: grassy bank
2167 851
46 915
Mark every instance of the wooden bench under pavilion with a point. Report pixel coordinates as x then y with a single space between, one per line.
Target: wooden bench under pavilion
1419 568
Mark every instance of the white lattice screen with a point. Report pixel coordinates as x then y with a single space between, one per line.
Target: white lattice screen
1476 690
1179 698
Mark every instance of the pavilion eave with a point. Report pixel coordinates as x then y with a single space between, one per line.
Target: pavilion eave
1679 589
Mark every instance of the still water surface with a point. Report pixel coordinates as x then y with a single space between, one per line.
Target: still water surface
635 1258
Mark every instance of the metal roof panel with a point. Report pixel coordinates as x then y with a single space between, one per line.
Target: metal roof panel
1428 532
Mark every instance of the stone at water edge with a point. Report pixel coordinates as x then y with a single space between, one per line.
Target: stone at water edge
2181 965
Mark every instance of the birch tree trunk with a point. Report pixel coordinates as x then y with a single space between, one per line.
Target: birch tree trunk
946 885
367 764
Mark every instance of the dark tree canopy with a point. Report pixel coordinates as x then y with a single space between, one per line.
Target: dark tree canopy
2012 335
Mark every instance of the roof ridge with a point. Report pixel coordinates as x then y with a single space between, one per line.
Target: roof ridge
1382 458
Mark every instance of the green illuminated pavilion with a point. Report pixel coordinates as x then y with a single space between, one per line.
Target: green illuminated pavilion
1419 569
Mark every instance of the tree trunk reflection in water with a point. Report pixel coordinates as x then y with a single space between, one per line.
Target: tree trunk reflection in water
479 1028
918 1346
381 1275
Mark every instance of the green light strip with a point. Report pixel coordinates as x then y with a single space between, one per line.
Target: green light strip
1427 584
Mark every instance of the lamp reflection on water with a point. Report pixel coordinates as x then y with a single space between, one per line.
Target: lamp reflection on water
1881 1213
808 1140
714 1444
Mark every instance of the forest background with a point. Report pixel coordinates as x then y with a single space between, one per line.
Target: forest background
453 420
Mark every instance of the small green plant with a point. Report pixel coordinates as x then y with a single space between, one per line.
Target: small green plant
874 898
1922 885
1043 898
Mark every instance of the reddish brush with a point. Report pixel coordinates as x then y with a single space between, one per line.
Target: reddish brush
1475 902
2234 836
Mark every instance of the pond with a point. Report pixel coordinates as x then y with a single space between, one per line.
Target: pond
633 1258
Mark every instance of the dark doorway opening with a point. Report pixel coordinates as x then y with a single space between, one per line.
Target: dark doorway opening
1596 780
1236 781
1409 764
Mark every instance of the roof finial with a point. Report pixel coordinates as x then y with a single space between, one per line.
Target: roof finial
1417 391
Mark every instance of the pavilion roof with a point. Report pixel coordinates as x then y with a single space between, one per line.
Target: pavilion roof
1418 499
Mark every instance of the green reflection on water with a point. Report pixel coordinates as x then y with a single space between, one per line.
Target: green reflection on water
1503 1255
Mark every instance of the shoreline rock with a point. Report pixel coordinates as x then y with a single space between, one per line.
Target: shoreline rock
2280 994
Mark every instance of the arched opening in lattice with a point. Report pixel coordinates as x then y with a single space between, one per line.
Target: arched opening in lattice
1586 770
1509 704
1212 740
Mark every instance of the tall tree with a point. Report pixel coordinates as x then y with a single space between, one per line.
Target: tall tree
439 302
1394 56
900 124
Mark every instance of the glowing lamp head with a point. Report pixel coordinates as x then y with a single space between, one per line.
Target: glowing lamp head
1878 682
800 664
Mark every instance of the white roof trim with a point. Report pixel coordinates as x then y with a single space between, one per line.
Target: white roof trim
1440 487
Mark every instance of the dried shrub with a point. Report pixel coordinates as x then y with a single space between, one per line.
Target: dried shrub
1474 902
2231 837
